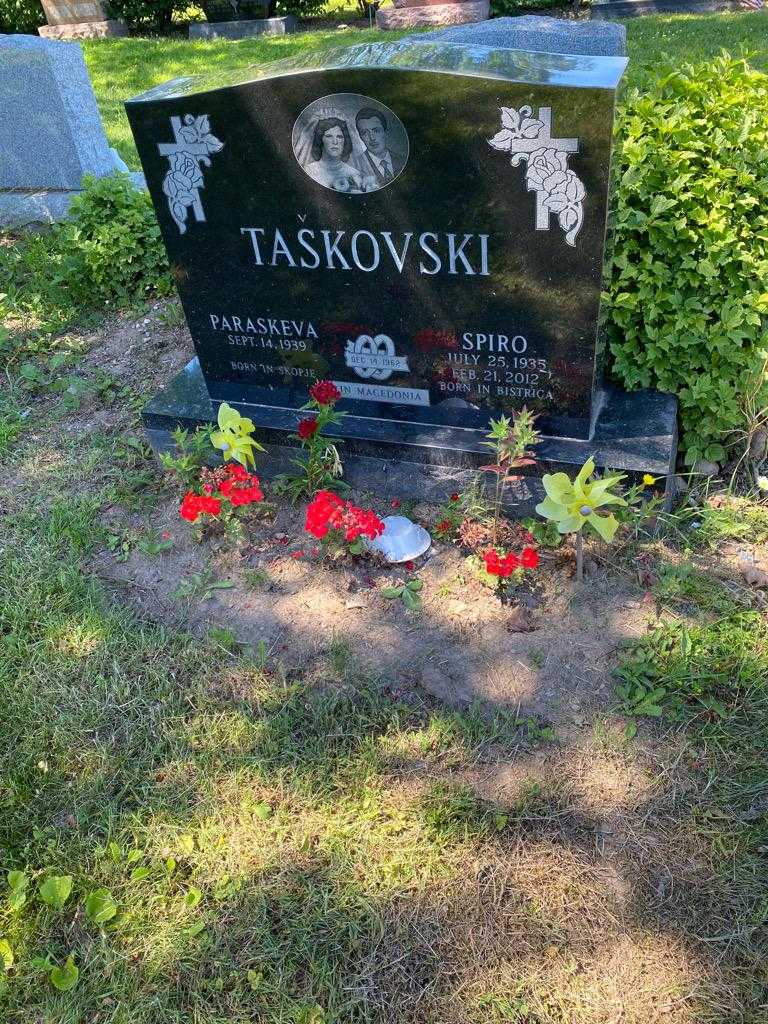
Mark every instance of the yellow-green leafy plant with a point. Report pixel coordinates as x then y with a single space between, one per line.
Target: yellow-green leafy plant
572 504
233 438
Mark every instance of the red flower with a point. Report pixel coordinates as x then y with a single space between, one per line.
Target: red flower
454 497
395 503
529 558
297 554
307 428
240 487
328 512
501 567
237 472
325 392
445 526
410 566
193 505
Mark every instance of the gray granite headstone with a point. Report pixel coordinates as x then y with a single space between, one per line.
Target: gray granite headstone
536 32
50 130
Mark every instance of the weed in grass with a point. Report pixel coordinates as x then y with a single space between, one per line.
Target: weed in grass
200 586
11 426
224 638
677 670
74 520
683 584
258 579
339 657
735 519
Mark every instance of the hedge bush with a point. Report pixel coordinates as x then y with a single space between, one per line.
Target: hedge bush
154 15
21 16
111 247
688 293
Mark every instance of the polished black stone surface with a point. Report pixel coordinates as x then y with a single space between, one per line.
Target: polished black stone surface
633 432
456 282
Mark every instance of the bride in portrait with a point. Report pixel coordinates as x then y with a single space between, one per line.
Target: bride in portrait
329 154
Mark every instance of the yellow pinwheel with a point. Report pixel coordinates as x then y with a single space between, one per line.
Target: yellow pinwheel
233 438
571 504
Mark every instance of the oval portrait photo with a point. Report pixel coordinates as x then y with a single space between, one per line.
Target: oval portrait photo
350 143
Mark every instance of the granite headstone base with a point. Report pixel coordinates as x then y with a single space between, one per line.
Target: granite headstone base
21 209
85 30
243 29
433 14
635 433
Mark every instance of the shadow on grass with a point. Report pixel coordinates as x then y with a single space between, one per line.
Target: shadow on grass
341 856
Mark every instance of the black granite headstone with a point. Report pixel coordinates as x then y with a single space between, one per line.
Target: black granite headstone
421 222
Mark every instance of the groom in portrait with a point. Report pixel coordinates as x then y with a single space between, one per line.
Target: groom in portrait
377 159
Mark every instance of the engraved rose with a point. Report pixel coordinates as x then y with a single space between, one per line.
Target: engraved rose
543 163
180 185
564 195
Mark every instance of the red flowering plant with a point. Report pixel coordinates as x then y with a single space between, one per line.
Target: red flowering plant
319 465
339 525
449 517
221 495
510 441
504 569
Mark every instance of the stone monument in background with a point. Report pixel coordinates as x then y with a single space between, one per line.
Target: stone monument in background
415 13
79 19
50 130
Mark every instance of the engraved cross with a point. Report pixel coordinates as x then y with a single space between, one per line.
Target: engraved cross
543 140
196 150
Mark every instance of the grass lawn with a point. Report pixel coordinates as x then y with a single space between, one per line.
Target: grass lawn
280 829
125 67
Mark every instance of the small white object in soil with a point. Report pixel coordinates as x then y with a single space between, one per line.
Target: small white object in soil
402 539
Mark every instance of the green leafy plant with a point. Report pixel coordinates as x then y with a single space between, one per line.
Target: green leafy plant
111 249
55 891
65 977
408 593
190 454
155 15
320 466
677 670
510 441
688 292
100 906
573 504
223 637
18 883
200 585
21 16
233 438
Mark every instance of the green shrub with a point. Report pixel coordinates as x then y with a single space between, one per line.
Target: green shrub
504 8
688 294
145 14
111 247
20 15
300 8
